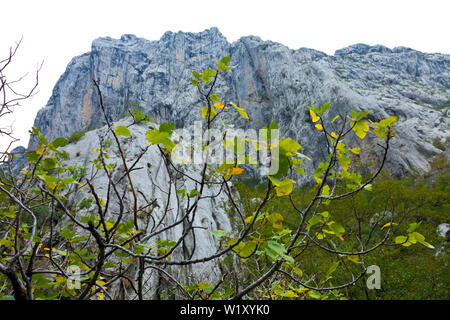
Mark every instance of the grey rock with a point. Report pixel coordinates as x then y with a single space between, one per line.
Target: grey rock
443 229
270 80
150 179
18 160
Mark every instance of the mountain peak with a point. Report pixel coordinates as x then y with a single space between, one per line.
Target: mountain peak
362 48
211 32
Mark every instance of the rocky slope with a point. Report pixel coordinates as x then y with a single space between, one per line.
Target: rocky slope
151 182
270 80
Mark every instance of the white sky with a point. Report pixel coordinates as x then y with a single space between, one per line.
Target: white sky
55 31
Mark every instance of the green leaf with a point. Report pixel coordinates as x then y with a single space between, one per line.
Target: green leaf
49 163
337 228
400 239
324 108
219 233
42 138
326 190
300 170
344 161
32 156
314 220
59 142
225 60
289 146
214 97
139 248
248 249
361 127
413 226
86 203
273 125
388 122
167 127
204 286
154 136
276 247
223 63
298 271
122 131
207 75
66 233
332 269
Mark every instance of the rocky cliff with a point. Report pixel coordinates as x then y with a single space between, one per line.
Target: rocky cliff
270 80
162 216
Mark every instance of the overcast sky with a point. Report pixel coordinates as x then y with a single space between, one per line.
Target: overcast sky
55 31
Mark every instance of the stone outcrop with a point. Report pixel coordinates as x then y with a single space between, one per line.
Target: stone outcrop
151 181
270 80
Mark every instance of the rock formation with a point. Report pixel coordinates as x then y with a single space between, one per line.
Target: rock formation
270 80
151 179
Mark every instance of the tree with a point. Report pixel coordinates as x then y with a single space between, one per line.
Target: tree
36 253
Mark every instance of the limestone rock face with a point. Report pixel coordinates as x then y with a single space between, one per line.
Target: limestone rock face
270 80
151 181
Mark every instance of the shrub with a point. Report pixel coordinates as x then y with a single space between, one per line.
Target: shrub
76 136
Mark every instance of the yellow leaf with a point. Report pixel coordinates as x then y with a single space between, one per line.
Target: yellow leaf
41 150
388 224
60 279
101 295
285 187
219 105
319 126
334 135
248 219
109 224
334 119
290 294
205 112
314 116
240 110
355 259
234 171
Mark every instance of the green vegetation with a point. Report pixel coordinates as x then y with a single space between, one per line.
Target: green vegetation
76 136
437 142
405 274
316 242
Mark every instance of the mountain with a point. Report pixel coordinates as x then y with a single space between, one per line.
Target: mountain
270 80
162 211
